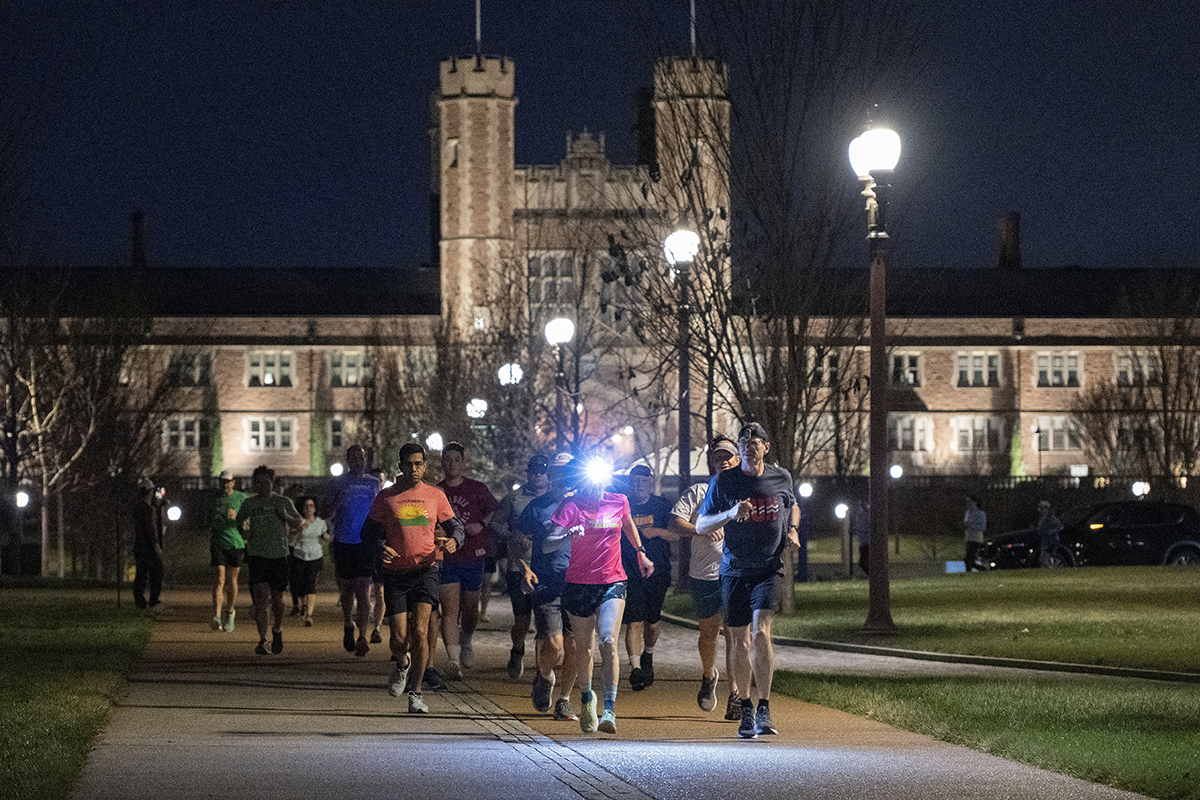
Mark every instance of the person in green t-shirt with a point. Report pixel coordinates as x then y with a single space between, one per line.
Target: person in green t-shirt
265 520
227 548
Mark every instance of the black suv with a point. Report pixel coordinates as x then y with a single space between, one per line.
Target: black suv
1132 532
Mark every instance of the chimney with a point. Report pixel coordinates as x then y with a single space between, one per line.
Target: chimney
137 234
1008 236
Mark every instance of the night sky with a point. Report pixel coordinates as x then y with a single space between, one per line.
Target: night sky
293 132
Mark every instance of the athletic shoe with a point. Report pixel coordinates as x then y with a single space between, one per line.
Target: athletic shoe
308 622
453 671
466 655
361 648
747 729
608 722
762 722
295 611
216 623
587 715
516 664
229 622
542 686
376 638
416 705
637 679
348 638
706 698
733 707
432 680
562 710
648 669
276 642
398 681
261 650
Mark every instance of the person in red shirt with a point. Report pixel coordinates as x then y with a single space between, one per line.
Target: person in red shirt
414 524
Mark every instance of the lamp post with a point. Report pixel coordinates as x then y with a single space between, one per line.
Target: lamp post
873 156
560 331
681 248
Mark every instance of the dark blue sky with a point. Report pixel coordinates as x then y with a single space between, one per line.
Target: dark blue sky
292 132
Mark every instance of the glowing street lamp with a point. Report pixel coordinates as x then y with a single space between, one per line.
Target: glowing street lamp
560 331
510 374
22 499
477 408
336 469
680 249
873 156
434 442
174 513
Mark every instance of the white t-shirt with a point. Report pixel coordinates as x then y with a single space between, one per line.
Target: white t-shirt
308 541
706 553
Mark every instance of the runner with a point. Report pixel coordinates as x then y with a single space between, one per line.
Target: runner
349 499
757 508
404 519
644 603
594 596
705 582
226 549
265 519
518 552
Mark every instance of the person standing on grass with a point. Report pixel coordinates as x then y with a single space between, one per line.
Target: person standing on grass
265 520
1048 529
594 596
349 499
149 525
704 572
757 508
644 602
308 557
226 549
404 520
974 525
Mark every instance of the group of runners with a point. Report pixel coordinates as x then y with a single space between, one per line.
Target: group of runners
583 563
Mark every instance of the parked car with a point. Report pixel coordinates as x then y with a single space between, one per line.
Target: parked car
1120 533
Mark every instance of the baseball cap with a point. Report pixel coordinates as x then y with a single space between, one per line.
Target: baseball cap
723 444
562 459
537 464
146 485
640 471
225 475
752 430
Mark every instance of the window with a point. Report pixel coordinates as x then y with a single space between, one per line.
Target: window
825 369
909 433
615 304
338 433
189 368
551 282
269 368
184 432
1058 369
1138 369
267 434
906 369
1057 434
978 369
978 434
348 368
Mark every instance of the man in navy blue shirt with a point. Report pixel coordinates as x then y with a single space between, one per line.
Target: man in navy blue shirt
757 507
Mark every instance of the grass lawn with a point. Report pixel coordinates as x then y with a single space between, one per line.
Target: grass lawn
65 658
1138 735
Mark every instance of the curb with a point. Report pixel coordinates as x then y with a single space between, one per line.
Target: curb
984 661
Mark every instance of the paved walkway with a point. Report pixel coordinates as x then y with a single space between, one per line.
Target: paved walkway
204 717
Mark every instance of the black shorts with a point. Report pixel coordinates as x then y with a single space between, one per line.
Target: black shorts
304 575
402 591
585 599
226 556
742 595
353 561
645 598
271 571
522 604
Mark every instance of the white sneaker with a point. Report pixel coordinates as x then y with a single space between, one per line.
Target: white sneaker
416 705
398 681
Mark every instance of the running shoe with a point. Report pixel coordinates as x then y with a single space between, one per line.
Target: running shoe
308 622
453 671
648 669
747 729
542 686
375 637
516 664
467 655
398 681
295 611
587 715
229 621
637 679
348 638
608 722
733 707
762 722
706 698
416 705
432 680
361 648
562 710
261 650
276 642
216 623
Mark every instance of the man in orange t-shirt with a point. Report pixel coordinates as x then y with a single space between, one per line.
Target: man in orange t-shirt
415 524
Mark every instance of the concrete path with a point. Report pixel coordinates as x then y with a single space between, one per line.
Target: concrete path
204 717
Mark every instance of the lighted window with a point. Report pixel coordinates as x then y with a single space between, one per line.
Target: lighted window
909 433
978 434
1058 369
1057 434
906 369
978 369
268 368
348 368
269 434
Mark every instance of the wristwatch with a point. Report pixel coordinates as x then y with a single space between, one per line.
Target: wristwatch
641 548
